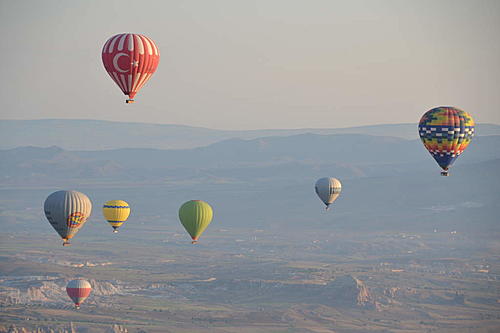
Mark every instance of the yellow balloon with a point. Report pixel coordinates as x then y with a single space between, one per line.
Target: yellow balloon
116 212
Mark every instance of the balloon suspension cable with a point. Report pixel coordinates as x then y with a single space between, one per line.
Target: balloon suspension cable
129 101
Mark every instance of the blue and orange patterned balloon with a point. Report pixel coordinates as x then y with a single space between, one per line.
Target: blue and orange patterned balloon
446 132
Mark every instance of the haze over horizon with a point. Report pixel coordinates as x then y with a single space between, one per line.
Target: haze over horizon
256 65
225 129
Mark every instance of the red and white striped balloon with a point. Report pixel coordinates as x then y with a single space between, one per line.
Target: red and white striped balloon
130 60
78 290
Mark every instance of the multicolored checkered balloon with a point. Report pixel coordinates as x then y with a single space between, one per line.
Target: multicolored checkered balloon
446 132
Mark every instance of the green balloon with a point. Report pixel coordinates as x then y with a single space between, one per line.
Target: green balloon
195 216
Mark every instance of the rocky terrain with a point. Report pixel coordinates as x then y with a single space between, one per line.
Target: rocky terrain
49 290
343 291
72 328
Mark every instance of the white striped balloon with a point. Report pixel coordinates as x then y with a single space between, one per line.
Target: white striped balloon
328 190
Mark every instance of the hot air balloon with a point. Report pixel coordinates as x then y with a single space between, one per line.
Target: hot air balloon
130 60
67 212
195 216
328 190
78 290
116 212
446 132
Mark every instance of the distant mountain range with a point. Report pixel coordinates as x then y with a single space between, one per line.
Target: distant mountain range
98 134
268 182
263 181
265 159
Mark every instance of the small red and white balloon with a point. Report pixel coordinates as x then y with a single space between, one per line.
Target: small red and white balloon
78 290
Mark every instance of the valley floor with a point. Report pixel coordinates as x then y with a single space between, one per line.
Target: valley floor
254 281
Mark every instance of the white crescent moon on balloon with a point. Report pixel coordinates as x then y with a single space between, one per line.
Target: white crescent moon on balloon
115 62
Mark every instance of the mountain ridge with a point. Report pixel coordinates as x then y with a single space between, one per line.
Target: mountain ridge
87 134
278 159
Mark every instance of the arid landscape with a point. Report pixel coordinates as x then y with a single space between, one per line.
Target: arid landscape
256 280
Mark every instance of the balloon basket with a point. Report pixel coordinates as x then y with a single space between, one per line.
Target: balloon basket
194 242
129 101
445 173
66 244
115 231
77 307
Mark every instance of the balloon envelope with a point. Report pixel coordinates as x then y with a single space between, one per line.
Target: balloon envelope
130 60
445 133
78 290
67 212
116 212
195 216
328 190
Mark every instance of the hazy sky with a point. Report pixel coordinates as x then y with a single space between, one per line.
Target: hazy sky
237 64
